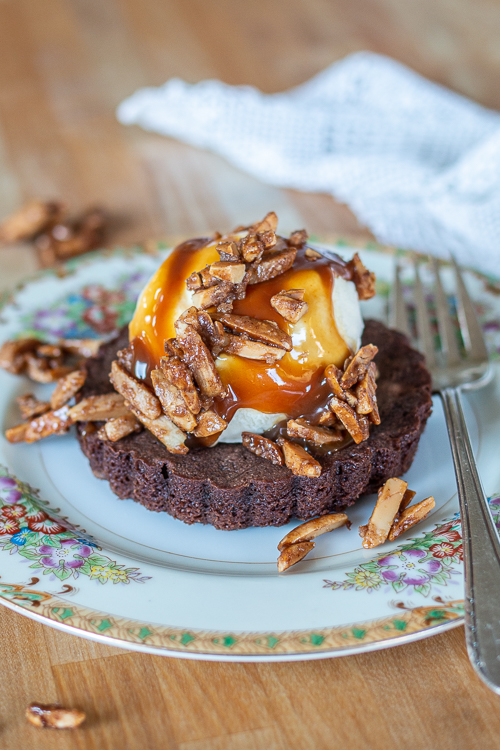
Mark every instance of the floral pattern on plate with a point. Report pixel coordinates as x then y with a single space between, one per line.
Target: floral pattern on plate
29 528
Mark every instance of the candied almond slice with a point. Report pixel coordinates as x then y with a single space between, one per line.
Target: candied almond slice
11 354
119 427
366 395
259 330
385 511
289 306
209 423
315 434
248 349
30 406
313 528
17 434
164 429
356 424
179 375
358 366
125 358
410 516
334 379
51 423
172 401
293 554
66 388
228 251
49 350
227 271
268 223
97 408
312 254
364 279
39 369
201 363
134 391
298 238
54 716
273 265
213 296
298 460
262 447
29 220
82 347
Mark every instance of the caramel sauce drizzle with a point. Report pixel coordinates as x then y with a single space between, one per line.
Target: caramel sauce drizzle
295 385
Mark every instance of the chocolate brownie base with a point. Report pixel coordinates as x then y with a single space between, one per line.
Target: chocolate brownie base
231 488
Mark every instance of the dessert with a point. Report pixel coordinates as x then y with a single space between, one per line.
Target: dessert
245 391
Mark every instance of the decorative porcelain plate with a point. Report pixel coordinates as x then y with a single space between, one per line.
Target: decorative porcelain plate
74 556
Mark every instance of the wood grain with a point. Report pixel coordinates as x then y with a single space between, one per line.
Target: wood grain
64 66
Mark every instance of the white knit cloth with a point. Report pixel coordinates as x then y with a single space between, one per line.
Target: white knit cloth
420 165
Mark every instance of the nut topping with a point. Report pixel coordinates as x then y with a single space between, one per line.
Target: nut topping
315 434
132 390
364 279
365 394
227 271
298 460
256 329
293 554
298 238
358 366
180 376
30 406
290 304
11 354
312 254
209 423
356 425
262 447
313 528
172 401
273 265
245 347
66 388
201 363
98 408
164 429
119 427
268 223
214 296
54 716
81 347
386 508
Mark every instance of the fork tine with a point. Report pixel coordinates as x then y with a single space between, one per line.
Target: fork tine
425 338
449 342
397 316
469 326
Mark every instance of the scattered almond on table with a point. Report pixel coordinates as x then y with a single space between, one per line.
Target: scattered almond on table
54 716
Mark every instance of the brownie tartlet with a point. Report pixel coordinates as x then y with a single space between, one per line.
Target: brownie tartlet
229 487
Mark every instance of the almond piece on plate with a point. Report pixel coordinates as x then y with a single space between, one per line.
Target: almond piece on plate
11 354
30 406
119 427
17 434
293 554
410 516
67 387
298 460
132 390
98 408
82 347
51 423
311 529
386 508
263 447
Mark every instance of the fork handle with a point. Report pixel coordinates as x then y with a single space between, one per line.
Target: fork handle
481 550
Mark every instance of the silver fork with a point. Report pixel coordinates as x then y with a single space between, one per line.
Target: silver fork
454 370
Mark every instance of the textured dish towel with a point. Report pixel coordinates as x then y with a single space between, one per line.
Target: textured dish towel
418 164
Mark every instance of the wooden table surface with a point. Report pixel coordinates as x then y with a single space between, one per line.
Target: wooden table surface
64 66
